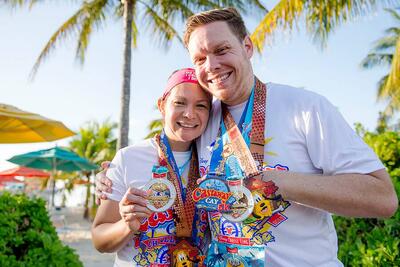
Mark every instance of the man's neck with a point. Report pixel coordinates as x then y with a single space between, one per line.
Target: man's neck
243 98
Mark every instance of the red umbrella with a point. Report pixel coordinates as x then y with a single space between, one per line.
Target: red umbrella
9 179
25 172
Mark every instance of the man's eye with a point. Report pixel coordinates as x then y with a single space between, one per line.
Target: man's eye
221 51
179 103
199 61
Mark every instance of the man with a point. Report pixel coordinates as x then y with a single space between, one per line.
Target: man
331 170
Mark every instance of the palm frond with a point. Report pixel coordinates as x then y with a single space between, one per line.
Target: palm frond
374 59
393 30
321 17
283 15
71 26
135 30
155 124
393 82
393 13
381 93
155 127
94 15
17 3
160 25
387 42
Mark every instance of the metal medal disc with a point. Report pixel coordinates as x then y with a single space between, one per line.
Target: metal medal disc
242 207
234 261
161 194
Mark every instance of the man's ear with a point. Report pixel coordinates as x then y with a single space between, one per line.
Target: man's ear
249 46
161 105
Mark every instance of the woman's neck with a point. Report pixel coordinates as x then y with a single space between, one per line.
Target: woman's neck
179 146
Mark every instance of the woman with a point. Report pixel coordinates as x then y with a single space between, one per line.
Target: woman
124 223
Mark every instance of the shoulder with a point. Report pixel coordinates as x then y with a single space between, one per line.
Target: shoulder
295 98
290 92
139 149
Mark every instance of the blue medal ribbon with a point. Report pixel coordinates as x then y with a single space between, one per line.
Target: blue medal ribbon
244 127
172 162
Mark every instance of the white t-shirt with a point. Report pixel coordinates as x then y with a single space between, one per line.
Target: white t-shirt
308 135
133 166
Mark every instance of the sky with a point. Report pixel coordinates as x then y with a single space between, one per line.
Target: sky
75 94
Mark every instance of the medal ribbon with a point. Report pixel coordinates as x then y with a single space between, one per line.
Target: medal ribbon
251 134
183 206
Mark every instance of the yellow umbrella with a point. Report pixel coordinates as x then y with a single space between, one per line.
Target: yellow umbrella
18 126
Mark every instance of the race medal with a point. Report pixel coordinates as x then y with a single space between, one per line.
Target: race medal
161 192
213 194
230 197
184 254
233 260
243 204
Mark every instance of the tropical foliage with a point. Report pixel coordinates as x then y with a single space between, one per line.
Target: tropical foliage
154 127
374 242
386 52
97 143
27 236
159 16
320 17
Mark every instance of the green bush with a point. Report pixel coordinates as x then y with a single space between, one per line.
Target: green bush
374 242
27 236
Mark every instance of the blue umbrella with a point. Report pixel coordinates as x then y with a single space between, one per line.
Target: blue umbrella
54 159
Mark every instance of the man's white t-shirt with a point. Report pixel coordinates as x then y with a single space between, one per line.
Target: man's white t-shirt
306 134
132 166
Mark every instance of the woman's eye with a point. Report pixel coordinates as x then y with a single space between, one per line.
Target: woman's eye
179 103
202 106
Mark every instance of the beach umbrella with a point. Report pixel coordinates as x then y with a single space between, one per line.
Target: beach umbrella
18 126
24 171
9 179
54 159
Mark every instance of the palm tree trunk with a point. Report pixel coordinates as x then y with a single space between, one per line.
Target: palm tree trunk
86 206
126 86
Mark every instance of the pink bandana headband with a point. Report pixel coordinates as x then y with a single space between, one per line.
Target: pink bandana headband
186 75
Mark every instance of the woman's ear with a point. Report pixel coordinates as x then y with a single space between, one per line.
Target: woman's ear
161 105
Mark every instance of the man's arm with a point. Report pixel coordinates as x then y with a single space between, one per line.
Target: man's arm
353 195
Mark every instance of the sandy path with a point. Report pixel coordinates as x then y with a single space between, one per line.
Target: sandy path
74 231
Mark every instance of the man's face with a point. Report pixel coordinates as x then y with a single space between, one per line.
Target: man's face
222 62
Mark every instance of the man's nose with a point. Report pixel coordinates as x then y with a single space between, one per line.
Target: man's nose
212 64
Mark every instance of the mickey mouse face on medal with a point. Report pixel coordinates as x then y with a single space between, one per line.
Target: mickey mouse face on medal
161 194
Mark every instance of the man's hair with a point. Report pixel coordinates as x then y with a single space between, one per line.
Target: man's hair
230 15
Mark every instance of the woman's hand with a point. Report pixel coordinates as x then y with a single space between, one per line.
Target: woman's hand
133 208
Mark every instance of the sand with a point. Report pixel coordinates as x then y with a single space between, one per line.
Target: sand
74 231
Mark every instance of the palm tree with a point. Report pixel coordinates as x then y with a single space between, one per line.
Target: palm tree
159 14
95 142
321 17
386 52
155 127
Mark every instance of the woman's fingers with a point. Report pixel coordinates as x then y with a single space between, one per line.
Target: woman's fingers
127 209
138 192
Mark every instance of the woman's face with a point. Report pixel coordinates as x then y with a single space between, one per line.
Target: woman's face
185 112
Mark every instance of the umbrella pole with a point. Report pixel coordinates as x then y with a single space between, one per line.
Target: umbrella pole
53 182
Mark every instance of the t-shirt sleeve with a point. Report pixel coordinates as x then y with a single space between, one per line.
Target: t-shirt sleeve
332 144
116 173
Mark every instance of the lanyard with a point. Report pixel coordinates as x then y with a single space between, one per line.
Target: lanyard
246 141
183 206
